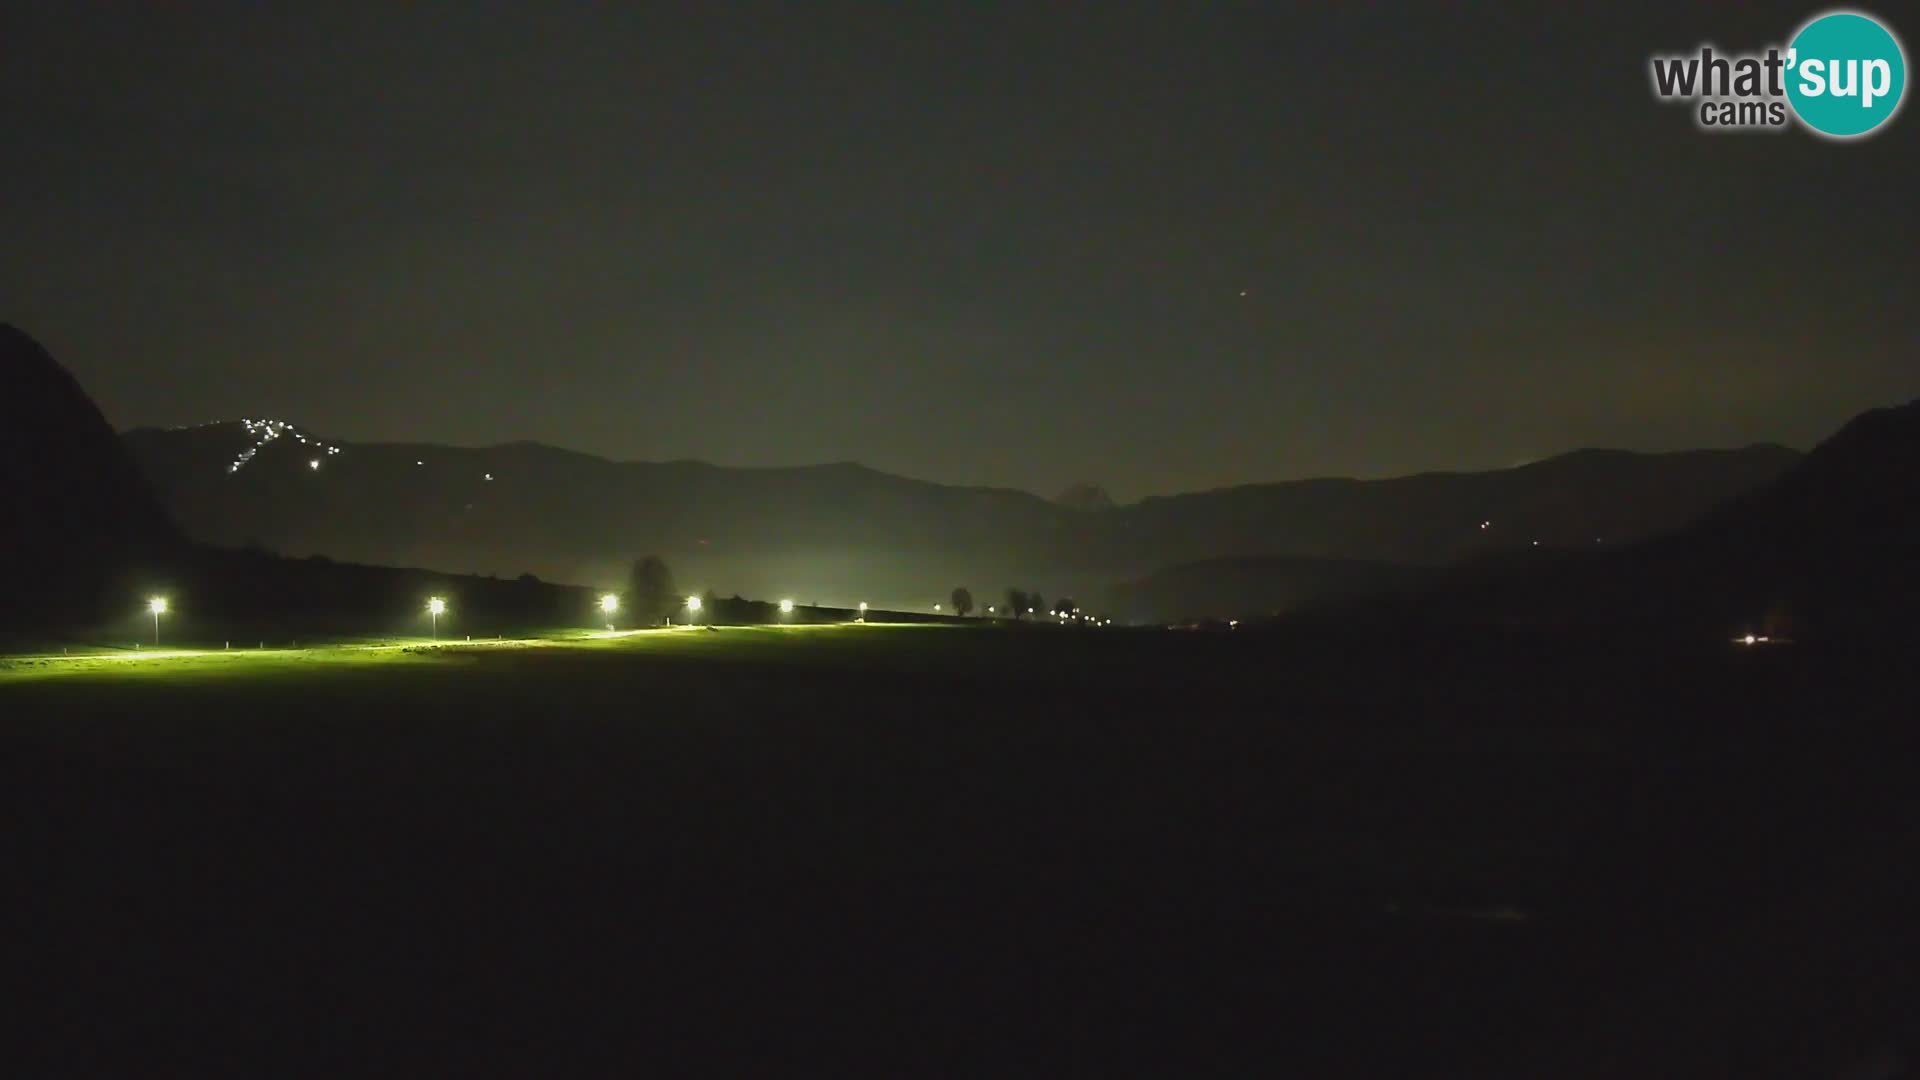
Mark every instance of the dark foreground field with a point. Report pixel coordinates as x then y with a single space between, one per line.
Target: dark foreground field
937 851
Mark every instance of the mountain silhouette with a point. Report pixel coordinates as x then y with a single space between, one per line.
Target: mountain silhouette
80 514
1085 496
843 533
1833 546
1828 551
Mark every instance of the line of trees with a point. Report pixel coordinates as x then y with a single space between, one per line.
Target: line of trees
1023 603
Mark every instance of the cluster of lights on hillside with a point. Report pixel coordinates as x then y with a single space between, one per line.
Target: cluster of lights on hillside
265 431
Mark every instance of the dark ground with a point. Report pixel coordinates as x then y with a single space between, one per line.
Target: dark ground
950 852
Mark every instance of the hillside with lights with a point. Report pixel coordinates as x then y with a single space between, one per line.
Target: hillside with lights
86 543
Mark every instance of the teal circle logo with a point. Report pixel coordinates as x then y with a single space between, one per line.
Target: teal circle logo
1846 74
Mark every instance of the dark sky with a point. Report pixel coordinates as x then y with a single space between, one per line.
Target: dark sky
969 242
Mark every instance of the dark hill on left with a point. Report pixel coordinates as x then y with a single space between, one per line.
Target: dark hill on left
78 512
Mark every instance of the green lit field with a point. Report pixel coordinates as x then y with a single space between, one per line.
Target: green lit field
797 643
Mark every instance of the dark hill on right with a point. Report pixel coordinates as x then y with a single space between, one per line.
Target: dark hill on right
1826 552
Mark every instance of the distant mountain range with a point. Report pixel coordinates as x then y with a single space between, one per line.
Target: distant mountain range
1703 542
841 533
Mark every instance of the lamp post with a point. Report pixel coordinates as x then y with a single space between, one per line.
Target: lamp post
693 609
608 605
436 607
158 606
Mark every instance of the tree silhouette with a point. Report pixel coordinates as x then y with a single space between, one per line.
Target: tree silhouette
650 592
963 601
1017 602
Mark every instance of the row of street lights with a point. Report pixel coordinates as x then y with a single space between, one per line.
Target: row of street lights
437 606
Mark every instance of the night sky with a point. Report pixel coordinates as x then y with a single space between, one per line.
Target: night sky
1156 248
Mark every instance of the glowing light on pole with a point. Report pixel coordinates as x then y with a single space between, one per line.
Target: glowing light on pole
693 609
786 607
863 611
158 607
436 607
609 604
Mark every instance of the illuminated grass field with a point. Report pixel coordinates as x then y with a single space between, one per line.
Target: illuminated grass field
889 645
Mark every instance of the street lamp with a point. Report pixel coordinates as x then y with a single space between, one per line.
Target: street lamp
693 609
608 605
786 607
158 606
436 607
863 611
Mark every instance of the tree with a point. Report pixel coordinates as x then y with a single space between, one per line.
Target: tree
1017 602
650 591
1037 602
963 601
